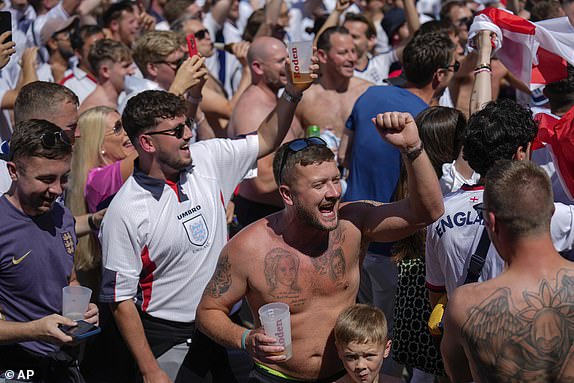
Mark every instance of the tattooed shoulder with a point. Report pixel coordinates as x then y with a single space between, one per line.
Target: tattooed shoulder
221 279
526 339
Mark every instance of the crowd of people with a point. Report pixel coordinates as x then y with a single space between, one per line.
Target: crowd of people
412 202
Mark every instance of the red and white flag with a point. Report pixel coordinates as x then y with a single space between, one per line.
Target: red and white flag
536 53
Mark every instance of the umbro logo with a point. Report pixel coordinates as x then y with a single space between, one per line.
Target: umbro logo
17 261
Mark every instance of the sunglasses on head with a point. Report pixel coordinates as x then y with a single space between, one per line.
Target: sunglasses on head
200 35
176 132
296 146
51 139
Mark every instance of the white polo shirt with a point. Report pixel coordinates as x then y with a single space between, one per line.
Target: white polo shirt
377 68
452 238
79 82
160 246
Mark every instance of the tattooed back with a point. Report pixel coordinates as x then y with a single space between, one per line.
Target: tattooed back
518 328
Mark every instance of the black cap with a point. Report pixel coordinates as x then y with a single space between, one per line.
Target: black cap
392 21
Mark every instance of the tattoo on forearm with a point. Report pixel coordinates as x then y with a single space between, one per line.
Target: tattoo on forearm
530 344
221 279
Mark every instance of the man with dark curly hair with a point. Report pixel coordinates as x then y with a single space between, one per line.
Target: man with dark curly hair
502 130
167 225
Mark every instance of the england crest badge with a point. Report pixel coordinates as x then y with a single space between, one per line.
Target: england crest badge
196 229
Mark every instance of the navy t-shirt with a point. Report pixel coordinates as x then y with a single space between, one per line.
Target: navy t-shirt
374 164
36 261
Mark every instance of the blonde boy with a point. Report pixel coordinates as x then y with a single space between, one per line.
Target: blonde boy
362 343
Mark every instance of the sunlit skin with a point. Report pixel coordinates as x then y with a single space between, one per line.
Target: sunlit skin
172 153
118 73
67 119
342 56
115 147
363 361
315 194
39 182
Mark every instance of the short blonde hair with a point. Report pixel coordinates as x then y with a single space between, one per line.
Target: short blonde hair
155 46
361 324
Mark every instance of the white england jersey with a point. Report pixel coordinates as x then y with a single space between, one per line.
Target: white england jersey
453 238
79 82
378 67
161 242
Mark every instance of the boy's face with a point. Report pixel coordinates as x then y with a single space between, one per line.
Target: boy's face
363 361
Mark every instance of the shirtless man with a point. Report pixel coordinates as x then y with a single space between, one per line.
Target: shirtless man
329 101
111 61
325 242
518 326
258 196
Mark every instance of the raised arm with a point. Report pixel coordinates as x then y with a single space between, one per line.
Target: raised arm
273 129
482 88
333 19
389 222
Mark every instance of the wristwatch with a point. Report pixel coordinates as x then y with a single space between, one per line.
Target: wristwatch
291 98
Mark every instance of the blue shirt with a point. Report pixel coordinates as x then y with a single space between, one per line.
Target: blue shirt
36 261
374 164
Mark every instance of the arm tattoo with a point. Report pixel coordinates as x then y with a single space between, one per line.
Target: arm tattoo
221 279
533 344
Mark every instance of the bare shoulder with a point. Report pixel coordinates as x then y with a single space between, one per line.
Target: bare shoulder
359 85
249 112
520 322
253 238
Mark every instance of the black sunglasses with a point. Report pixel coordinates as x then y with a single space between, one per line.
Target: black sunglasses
51 139
480 210
296 146
455 67
117 129
200 35
172 64
176 132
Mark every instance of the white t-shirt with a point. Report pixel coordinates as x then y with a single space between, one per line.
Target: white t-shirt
452 180
160 246
453 238
377 69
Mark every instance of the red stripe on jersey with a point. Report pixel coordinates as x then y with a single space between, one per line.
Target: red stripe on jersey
146 277
62 81
472 187
92 78
221 197
173 186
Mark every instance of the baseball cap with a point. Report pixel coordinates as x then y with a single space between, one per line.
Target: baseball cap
392 21
53 26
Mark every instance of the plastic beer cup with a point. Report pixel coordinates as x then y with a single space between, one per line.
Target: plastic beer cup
300 53
276 321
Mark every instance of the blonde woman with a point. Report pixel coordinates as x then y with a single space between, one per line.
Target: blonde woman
103 159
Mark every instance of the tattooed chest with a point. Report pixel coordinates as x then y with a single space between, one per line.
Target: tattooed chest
296 280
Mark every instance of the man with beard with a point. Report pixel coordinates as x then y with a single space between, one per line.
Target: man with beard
258 196
326 242
55 36
166 226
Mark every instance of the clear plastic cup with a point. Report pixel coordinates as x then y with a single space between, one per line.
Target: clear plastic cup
300 53
75 300
276 321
